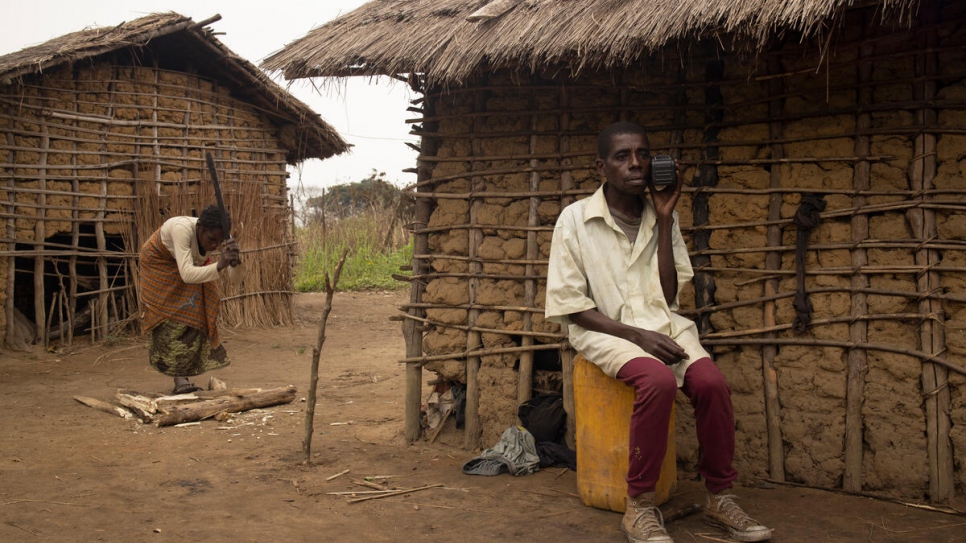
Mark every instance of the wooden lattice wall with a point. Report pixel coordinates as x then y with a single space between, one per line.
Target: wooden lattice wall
871 396
95 158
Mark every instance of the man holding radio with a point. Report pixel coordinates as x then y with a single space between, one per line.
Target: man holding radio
617 260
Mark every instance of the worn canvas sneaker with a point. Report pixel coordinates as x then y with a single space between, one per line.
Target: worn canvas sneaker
642 522
722 511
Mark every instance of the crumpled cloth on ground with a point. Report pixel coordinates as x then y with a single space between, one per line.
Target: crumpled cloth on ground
437 407
515 453
556 454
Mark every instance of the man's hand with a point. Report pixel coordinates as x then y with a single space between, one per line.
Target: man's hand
659 345
665 200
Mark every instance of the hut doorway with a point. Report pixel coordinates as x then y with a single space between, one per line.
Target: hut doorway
72 286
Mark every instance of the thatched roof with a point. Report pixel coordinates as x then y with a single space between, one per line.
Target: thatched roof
448 39
181 39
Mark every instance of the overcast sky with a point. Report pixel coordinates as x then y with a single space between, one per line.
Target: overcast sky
368 114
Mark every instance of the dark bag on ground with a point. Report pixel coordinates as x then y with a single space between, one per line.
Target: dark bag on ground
544 417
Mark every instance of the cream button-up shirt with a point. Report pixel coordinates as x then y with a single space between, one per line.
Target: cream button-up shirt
594 265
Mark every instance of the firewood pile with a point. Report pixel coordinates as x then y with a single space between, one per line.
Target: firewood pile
169 410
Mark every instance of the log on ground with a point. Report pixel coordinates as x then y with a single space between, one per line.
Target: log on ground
165 403
191 412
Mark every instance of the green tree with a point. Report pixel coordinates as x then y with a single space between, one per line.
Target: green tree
372 193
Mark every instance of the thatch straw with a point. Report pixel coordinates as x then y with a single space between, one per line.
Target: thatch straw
311 138
448 39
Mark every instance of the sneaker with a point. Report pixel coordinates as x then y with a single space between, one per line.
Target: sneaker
723 512
642 522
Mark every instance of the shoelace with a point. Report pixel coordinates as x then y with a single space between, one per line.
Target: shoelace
652 522
731 509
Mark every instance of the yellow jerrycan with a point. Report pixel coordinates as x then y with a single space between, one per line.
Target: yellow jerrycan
603 408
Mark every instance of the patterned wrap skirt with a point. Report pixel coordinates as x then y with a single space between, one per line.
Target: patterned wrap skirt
178 350
182 317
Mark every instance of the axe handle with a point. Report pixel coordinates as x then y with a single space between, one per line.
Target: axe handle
225 226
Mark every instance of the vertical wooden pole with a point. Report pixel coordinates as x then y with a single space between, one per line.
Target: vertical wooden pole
773 261
858 328
101 307
706 176
525 384
428 147
567 184
11 261
291 207
935 378
99 311
473 428
74 231
145 208
40 235
156 157
231 307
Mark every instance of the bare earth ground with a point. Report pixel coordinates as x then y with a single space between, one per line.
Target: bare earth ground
70 473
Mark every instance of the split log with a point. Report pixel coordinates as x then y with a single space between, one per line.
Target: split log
142 406
153 400
105 407
178 414
165 401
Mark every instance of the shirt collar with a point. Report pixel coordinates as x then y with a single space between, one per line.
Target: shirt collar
597 208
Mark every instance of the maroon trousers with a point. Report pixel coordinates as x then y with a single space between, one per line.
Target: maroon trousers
655 389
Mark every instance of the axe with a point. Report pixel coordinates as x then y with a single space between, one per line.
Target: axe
225 225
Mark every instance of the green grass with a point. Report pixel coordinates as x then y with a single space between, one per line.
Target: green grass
369 266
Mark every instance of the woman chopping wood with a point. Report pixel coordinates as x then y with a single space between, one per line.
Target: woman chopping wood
180 295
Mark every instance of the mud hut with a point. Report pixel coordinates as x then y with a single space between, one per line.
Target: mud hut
825 152
103 135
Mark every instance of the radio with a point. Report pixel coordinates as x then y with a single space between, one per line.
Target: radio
663 172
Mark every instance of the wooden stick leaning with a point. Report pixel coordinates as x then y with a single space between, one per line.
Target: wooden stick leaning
316 353
442 423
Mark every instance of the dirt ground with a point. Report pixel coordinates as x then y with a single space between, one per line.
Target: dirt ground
71 473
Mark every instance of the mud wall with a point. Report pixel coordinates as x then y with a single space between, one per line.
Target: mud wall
868 394
95 158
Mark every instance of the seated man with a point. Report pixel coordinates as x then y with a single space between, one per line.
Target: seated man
616 262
